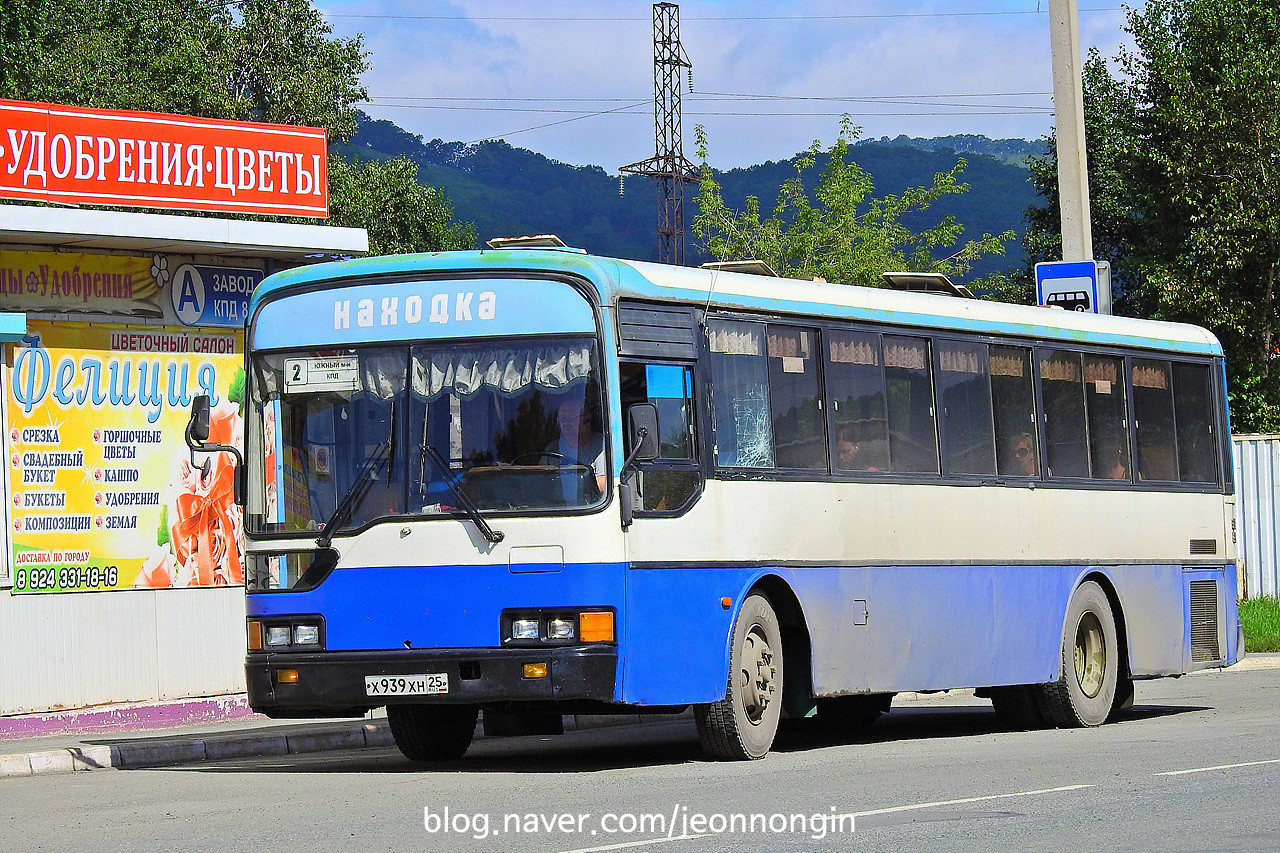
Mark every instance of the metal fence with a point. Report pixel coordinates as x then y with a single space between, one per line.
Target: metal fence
1256 461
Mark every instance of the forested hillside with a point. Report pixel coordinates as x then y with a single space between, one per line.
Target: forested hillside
510 191
1012 151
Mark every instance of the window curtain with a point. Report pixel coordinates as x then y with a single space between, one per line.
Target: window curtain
508 371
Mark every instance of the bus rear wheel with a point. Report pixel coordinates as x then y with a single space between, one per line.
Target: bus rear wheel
1085 693
432 732
742 725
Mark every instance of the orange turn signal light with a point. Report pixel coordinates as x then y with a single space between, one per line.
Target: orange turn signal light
596 627
535 670
255 636
286 676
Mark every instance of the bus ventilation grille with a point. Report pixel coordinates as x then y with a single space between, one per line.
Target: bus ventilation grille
651 331
1204 546
1204 621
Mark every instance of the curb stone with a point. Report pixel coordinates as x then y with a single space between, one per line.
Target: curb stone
165 753
191 750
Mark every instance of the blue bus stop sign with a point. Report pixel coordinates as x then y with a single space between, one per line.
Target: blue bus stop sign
1071 285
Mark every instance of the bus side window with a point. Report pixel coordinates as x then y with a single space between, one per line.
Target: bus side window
913 437
1193 416
1062 388
855 387
669 482
799 428
1013 403
1153 412
740 394
964 396
1108 417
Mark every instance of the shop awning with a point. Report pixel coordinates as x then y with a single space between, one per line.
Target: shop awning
153 233
13 326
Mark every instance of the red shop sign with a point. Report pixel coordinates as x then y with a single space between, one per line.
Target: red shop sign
78 155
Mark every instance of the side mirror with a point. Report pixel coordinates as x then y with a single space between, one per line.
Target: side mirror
198 426
197 436
642 427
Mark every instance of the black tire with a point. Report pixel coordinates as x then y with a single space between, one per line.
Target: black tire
1016 706
432 732
1085 693
742 725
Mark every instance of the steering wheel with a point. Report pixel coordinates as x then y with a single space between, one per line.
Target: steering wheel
557 459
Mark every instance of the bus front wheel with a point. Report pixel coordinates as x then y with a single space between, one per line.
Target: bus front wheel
1086 691
432 732
742 725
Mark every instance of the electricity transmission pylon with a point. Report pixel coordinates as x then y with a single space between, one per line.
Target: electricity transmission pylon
668 165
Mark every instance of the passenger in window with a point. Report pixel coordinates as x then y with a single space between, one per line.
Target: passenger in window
581 439
849 450
1113 465
1022 446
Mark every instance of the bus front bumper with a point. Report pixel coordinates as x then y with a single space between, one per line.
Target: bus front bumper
336 684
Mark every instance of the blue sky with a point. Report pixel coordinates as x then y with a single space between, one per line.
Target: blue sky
574 80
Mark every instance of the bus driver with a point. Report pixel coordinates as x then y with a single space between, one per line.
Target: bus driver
580 441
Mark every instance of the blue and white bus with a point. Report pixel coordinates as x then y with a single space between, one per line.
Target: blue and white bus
534 482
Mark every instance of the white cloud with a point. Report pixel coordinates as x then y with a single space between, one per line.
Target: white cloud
490 49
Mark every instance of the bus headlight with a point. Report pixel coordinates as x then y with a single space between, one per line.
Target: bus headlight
524 629
296 632
278 635
560 629
558 626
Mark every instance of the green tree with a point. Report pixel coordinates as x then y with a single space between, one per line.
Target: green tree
256 60
273 61
1209 74
1189 210
842 233
20 28
401 214
1110 142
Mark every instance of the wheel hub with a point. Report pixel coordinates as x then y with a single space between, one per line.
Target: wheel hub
1090 655
759 675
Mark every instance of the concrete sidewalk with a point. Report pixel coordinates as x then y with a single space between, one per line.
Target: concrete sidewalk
164 734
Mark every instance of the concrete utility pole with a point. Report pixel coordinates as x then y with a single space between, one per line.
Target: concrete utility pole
1068 107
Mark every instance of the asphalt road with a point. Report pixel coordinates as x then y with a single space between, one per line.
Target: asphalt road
1195 766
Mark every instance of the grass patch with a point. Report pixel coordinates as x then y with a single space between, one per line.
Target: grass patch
1261 618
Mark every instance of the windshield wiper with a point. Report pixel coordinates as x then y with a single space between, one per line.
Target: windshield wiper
360 486
355 495
468 506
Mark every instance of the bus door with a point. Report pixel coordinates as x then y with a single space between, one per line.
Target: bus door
669 583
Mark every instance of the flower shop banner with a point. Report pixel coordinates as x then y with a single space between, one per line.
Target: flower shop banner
59 282
103 491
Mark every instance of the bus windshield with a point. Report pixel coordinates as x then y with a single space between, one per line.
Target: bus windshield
511 425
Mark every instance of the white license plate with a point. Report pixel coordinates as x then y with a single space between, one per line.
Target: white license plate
406 685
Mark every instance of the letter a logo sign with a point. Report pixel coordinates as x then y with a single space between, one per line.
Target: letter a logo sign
187 294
